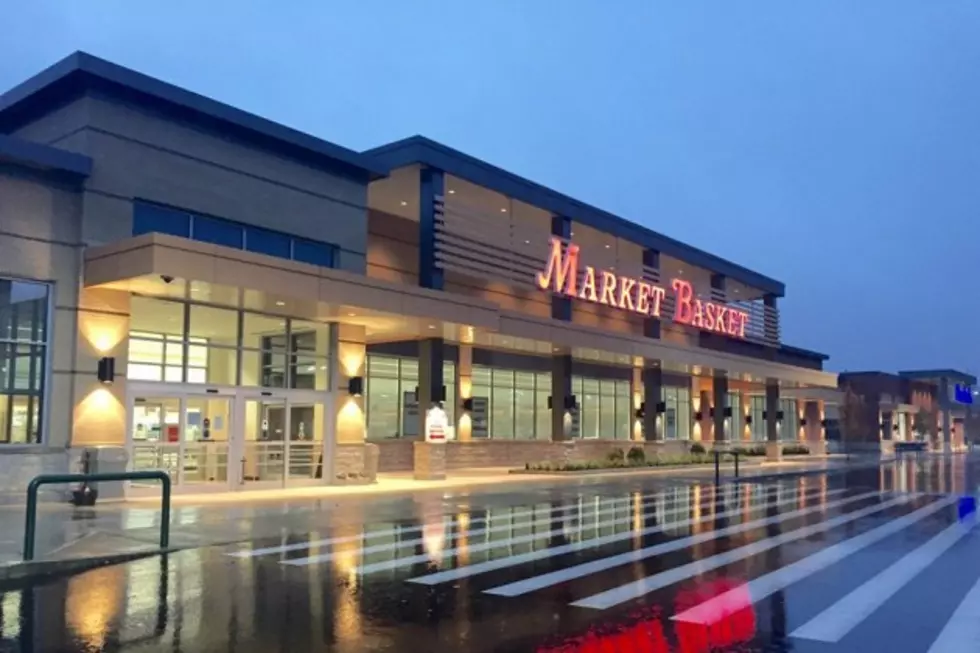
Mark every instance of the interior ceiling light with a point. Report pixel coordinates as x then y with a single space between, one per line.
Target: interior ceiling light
503 210
452 192
404 203
280 303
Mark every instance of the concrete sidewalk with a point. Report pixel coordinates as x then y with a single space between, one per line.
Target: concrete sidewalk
114 529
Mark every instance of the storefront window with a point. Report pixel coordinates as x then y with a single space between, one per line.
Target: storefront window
517 403
758 413
23 360
677 417
733 425
790 425
225 347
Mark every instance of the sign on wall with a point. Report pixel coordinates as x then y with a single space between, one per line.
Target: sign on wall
962 394
479 418
561 275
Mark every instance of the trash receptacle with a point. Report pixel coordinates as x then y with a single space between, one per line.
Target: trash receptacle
108 460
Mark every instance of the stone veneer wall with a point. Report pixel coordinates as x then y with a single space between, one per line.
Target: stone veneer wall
396 455
17 470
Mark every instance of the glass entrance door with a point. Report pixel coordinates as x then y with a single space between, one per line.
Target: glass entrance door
261 451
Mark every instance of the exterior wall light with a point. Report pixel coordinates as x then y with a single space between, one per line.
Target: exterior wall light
468 404
107 370
728 411
662 407
355 386
641 411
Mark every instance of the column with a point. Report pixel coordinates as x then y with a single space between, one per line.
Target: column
773 449
464 391
720 391
344 441
561 392
561 307
947 443
651 274
431 193
813 430
431 385
652 398
636 400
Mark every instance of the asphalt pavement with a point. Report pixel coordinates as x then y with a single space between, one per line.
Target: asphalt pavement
881 558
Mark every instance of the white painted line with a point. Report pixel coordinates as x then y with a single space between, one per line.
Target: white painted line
450 575
246 553
760 588
621 502
644 586
835 622
507 527
961 634
473 548
559 576
387 565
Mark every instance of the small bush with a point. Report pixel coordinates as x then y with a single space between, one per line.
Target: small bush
795 450
616 455
698 449
636 455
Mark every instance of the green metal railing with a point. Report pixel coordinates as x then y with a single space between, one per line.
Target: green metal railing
30 520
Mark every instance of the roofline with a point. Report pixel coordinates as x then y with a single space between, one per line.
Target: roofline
419 149
806 353
80 71
44 157
949 373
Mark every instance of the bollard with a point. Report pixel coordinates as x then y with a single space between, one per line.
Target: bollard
717 467
30 519
735 453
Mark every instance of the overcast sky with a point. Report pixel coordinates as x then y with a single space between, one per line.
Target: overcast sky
831 144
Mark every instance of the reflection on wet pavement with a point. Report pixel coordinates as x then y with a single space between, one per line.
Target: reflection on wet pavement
867 560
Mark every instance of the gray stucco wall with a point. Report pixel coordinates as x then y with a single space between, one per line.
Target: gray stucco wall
39 241
140 154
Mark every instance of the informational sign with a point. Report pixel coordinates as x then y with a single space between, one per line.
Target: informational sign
962 394
436 424
561 275
173 433
480 417
410 415
576 415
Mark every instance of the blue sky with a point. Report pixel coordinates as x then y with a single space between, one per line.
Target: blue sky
832 144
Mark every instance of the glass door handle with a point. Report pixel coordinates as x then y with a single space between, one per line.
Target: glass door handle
241 479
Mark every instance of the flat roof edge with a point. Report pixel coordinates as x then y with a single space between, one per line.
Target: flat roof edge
419 149
44 157
84 70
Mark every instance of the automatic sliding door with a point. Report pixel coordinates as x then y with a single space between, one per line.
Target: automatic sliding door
263 459
305 455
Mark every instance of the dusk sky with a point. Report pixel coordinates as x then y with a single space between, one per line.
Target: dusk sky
831 144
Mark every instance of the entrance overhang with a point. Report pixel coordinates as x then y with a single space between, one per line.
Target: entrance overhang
392 310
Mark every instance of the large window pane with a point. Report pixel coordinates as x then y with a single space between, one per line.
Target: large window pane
503 404
589 403
214 326
524 405
383 403
264 241
542 390
217 231
156 316
150 218
310 251
259 331
23 353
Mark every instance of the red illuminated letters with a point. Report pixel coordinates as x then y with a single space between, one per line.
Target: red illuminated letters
560 275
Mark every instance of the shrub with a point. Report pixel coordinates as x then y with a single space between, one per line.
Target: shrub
795 450
698 449
616 455
636 455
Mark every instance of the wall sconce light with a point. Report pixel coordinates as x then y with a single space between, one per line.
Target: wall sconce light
698 416
641 411
779 416
728 411
355 386
468 404
803 422
748 420
107 370
823 423
571 402
711 412
895 427
662 407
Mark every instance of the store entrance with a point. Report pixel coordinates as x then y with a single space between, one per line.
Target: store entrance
221 439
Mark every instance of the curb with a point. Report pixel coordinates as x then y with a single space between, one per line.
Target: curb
43 569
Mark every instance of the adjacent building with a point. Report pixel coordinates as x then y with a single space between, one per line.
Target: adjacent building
187 286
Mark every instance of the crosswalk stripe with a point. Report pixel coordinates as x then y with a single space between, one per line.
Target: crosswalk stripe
638 588
961 634
711 610
450 575
709 494
392 546
471 548
835 622
526 585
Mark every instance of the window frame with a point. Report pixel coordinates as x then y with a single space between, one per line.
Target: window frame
36 397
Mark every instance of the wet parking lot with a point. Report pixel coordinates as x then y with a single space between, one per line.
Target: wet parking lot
884 558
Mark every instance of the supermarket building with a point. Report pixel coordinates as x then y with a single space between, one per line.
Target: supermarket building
187 286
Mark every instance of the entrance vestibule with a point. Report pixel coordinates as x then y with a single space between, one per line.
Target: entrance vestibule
227 438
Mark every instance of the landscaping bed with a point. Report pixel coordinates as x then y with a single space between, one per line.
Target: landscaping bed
635 459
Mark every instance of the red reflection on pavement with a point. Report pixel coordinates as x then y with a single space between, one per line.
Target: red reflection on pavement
735 625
